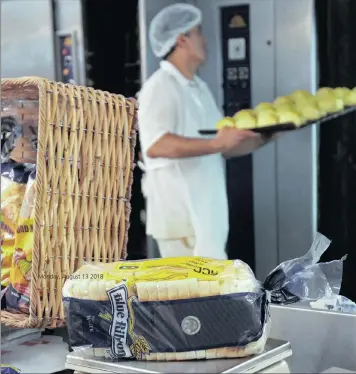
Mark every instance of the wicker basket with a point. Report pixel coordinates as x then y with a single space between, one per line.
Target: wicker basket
81 213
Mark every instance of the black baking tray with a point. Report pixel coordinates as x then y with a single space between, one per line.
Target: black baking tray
268 130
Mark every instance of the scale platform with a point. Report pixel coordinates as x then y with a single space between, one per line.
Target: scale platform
275 353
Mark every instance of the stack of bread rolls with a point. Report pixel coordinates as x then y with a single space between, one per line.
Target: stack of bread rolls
298 108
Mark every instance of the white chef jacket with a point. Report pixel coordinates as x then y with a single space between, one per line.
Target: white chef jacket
185 197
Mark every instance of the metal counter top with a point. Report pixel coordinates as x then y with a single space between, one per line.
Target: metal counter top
275 351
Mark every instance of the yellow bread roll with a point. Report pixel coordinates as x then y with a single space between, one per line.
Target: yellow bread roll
305 101
267 118
284 107
310 112
330 104
341 92
225 122
324 91
245 122
283 100
290 117
300 95
350 99
244 112
263 106
269 111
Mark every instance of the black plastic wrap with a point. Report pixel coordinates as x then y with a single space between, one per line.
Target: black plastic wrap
228 320
17 172
304 278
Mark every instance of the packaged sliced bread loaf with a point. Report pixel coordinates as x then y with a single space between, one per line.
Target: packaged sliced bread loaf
167 309
179 309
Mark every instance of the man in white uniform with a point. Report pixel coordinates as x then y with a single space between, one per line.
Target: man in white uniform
184 183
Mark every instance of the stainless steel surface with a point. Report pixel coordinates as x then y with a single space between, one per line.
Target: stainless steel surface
263 89
320 339
296 157
276 350
281 367
337 371
27 39
27 42
70 19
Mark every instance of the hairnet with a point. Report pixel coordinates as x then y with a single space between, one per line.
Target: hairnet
171 22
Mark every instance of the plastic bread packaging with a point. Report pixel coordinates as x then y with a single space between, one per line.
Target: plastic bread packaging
336 303
14 179
18 293
6 369
10 132
178 309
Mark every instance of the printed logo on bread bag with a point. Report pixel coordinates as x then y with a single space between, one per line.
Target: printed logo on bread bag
118 330
191 325
105 316
205 271
7 369
139 347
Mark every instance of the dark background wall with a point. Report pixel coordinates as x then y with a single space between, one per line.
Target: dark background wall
112 40
337 157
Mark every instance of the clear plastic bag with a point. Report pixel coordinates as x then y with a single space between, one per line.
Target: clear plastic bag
303 278
336 303
186 308
167 309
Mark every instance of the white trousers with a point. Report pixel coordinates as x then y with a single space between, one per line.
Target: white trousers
176 247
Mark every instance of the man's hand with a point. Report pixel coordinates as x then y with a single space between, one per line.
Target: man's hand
233 142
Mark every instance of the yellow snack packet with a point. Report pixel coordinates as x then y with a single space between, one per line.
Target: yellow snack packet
18 295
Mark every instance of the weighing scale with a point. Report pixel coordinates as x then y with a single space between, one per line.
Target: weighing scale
272 360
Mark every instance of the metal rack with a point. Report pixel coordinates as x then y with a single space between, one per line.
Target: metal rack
276 352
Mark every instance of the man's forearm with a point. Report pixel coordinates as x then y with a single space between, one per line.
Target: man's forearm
175 146
251 146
